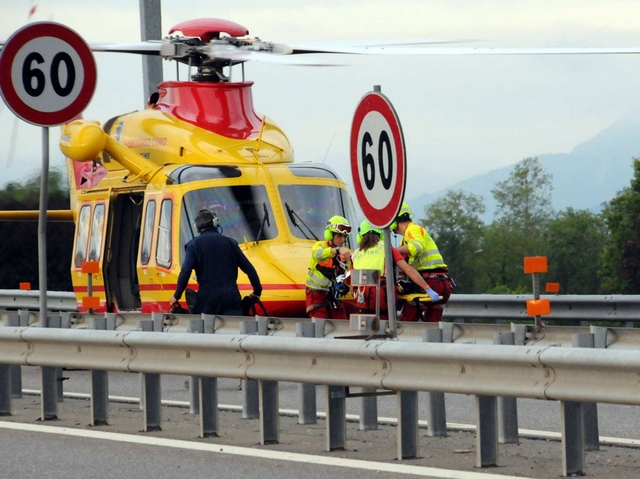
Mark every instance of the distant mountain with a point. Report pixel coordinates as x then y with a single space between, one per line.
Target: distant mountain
591 174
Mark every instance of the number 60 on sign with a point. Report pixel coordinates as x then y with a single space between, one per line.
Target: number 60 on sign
47 74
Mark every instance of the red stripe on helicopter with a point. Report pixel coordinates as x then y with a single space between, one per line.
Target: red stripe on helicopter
172 287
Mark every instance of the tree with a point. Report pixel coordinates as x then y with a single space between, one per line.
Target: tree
620 259
523 211
454 223
575 239
19 240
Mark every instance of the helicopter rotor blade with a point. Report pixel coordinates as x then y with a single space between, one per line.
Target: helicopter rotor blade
151 47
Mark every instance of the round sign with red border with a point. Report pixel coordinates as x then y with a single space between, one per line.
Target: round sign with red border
378 160
47 74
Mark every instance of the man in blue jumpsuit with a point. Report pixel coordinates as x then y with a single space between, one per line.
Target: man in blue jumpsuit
216 260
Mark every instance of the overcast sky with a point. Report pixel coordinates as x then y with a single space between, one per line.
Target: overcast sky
461 115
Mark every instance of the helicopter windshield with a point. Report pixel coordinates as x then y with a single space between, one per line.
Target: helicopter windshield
244 211
308 207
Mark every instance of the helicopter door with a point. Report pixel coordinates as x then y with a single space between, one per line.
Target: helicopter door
121 275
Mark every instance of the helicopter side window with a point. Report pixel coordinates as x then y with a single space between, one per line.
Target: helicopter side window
97 225
147 238
163 253
82 236
308 207
244 210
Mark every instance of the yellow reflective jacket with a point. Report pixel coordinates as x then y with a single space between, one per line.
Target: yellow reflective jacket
423 251
324 267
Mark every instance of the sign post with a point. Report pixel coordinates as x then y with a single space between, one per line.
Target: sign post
47 78
378 168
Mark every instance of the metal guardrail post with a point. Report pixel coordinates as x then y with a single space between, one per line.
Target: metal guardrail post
447 331
369 404
436 411
208 387
507 406
194 326
589 409
407 424
100 380
151 400
307 404
49 381
336 418
250 391
268 398
269 412
13 320
5 388
61 322
368 410
573 463
486 432
320 325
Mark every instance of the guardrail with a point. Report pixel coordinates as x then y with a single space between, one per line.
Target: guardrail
617 307
566 374
571 376
459 333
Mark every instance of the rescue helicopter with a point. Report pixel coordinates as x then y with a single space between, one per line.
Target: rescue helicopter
137 181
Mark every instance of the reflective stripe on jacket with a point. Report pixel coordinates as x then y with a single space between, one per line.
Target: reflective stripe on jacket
423 251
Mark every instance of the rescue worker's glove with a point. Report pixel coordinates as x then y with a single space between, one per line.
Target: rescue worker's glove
435 297
340 290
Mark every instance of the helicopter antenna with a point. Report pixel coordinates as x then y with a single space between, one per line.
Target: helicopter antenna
329 147
256 150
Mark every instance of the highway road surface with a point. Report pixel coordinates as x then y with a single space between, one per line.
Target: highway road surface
70 448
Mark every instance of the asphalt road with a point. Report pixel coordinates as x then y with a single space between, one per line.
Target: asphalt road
614 420
69 448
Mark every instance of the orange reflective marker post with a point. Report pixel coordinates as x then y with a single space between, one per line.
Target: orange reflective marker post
90 302
534 265
25 286
553 288
538 307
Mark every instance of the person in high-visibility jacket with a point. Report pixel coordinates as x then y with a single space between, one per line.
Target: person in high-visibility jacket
370 255
423 255
329 261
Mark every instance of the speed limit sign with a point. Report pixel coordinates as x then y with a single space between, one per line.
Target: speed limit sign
47 74
378 162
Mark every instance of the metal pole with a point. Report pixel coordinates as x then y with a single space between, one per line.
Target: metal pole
436 411
507 406
486 431
535 278
391 293
388 266
591 432
250 389
42 223
151 29
307 405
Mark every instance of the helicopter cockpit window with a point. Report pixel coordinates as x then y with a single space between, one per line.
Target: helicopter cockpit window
308 207
147 238
314 171
245 212
163 253
189 173
97 226
82 238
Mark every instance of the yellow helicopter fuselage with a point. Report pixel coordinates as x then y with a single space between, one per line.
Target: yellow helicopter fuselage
138 182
